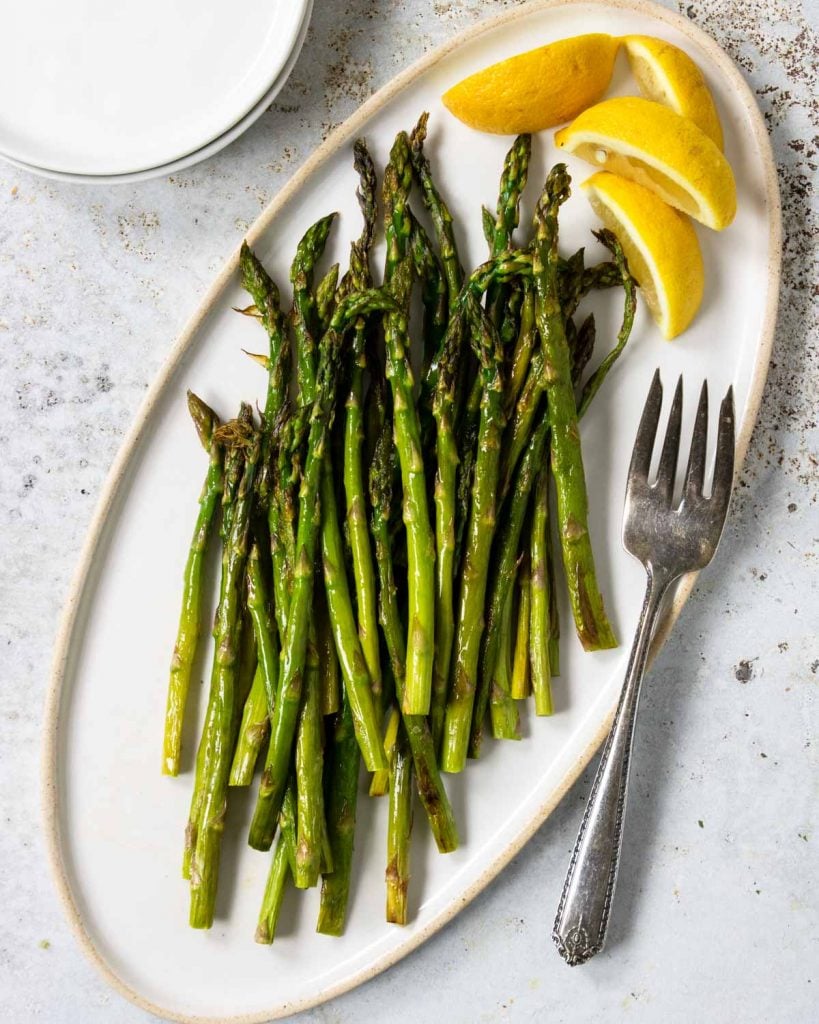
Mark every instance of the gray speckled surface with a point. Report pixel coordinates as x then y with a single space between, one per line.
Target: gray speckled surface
717 914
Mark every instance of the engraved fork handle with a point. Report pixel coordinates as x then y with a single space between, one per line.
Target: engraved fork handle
583 913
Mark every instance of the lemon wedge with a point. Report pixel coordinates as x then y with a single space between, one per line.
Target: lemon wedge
667 74
656 147
536 89
660 245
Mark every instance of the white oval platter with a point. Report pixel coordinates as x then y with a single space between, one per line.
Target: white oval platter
114 824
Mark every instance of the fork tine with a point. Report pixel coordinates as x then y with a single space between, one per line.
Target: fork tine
724 461
695 472
646 433
671 445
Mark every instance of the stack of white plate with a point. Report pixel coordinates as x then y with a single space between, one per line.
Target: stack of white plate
101 92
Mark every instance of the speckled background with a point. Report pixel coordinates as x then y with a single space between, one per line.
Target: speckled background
718 916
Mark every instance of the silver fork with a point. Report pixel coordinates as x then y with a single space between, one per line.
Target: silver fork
670 542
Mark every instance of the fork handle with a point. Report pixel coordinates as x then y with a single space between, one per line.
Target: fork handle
583 913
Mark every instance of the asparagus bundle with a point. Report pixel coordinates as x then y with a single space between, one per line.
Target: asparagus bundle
389 581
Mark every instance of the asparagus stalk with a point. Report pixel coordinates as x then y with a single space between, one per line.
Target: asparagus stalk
522 354
217 741
445 496
399 830
288 698
342 794
420 542
276 421
259 705
428 778
354 489
481 528
281 867
434 294
503 709
520 684
309 768
187 638
330 688
513 182
554 613
273 894
305 311
583 347
253 731
594 382
357 681
233 466
438 211
591 622
540 624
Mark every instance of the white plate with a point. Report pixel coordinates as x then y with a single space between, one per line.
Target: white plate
99 89
114 823
190 159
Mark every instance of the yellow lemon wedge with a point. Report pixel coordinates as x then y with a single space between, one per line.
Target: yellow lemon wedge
537 89
666 74
660 245
652 145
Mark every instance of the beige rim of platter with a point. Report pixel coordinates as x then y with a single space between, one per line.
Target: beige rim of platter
63 644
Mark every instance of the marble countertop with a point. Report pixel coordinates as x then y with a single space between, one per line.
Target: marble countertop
717 916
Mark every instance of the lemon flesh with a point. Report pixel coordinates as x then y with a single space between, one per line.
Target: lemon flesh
537 89
658 148
666 74
660 244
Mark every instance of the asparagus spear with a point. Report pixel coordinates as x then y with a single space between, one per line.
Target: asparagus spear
288 697
357 682
260 702
309 767
438 210
445 496
342 794
399 830
522 354
359 537
513 182
476 556
273 894
591 623
420 543
282 866
583 347
217 741
305 312
233 466
187 637
540 625
503 709
592 386
329 670
277 425
520 684
428 778
434 294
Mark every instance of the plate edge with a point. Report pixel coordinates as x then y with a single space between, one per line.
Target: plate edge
62 649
